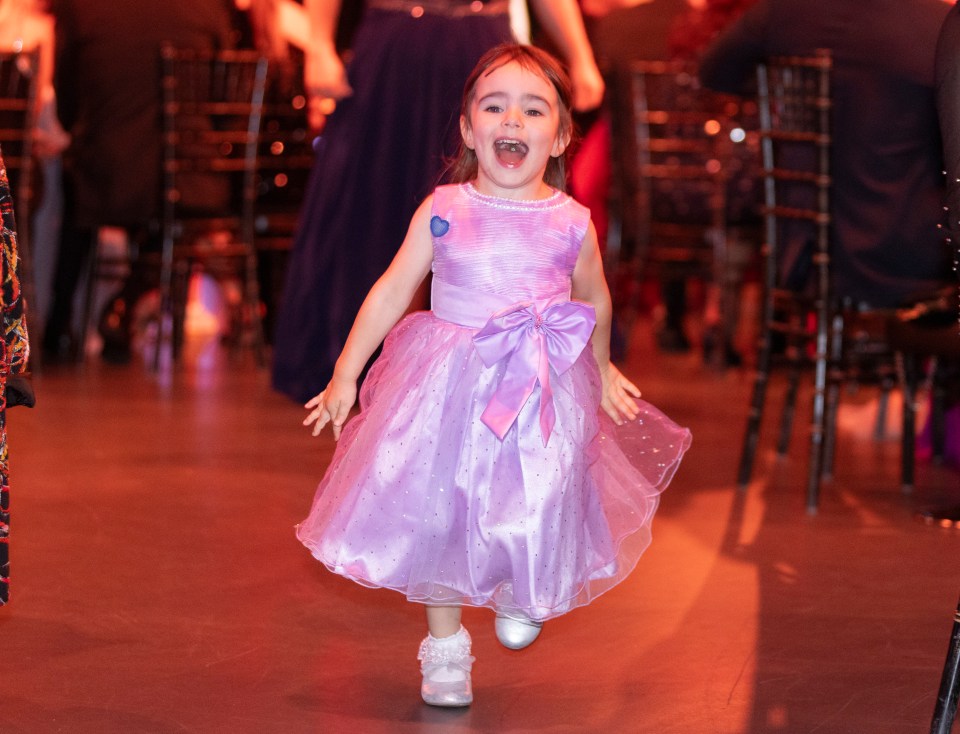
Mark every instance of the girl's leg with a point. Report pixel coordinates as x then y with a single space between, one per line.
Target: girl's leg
445 659
443 621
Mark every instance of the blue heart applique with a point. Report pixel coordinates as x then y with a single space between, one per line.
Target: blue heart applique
439 227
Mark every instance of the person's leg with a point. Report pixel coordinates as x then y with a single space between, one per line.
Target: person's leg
672 337
76 244
116 321
443 621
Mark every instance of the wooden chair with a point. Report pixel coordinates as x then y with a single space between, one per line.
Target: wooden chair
850 343
674 145
211 117
18 116
285 160
794 108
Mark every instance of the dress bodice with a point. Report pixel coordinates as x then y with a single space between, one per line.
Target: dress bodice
520 249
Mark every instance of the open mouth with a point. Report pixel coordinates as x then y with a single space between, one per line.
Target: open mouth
510 152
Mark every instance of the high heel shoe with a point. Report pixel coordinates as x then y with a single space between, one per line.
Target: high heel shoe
517 633
446 663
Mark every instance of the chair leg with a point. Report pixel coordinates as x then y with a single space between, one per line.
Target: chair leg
251 297
92 278
907 367
818 423
938 416
835 376
946 707
790 400
752 436
883 408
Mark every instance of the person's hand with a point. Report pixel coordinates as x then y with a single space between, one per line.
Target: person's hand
331 406
618 395
325 81
588 86
50 143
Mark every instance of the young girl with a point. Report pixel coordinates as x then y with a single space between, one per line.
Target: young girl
480 470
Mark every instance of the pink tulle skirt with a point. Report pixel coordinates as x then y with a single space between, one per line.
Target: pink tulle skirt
422 497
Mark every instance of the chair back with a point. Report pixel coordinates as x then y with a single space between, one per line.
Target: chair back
286 158
794 100
212 111
681 139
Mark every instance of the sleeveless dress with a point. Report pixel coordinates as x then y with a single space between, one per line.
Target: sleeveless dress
480 470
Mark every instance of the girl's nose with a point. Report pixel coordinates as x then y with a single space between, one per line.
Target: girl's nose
513 117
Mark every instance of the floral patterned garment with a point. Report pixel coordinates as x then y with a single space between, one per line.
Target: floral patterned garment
14 351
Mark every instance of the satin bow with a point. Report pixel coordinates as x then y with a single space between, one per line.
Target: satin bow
532 342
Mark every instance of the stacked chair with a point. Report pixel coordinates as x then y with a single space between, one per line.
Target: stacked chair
212 113
673 178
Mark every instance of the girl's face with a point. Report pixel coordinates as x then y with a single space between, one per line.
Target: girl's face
513 127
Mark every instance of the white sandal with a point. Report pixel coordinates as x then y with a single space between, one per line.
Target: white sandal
445 663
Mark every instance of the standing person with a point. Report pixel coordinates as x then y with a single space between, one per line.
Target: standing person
947 69
25 26
394 105
107 80
13 360
481 469
886 154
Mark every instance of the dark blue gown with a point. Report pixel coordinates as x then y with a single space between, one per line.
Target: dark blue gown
381 153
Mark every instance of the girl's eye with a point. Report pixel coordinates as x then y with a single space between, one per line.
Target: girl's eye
534 113
493 108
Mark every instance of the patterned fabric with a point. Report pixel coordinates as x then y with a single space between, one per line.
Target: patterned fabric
14 350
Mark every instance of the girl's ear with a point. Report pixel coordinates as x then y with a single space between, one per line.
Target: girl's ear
466 132
560 144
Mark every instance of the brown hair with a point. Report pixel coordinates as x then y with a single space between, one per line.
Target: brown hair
464 166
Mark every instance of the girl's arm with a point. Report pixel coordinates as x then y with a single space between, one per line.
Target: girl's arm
383 307
564 24
590 286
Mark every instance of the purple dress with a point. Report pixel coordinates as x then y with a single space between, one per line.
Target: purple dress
480 470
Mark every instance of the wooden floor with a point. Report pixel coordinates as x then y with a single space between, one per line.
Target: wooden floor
157 585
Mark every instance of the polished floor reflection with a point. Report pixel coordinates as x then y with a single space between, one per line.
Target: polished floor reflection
157 585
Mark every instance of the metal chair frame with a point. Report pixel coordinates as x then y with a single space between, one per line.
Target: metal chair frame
680 142
795 106
284 166
212 112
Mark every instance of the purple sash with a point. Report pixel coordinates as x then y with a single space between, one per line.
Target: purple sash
531 337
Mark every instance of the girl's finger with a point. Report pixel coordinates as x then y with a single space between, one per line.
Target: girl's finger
322 420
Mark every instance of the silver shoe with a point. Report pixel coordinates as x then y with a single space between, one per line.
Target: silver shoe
517 633
445 664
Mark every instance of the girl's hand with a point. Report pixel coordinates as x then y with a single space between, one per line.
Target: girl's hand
331 406
618 395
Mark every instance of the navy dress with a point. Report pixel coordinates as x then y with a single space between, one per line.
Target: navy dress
381 154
